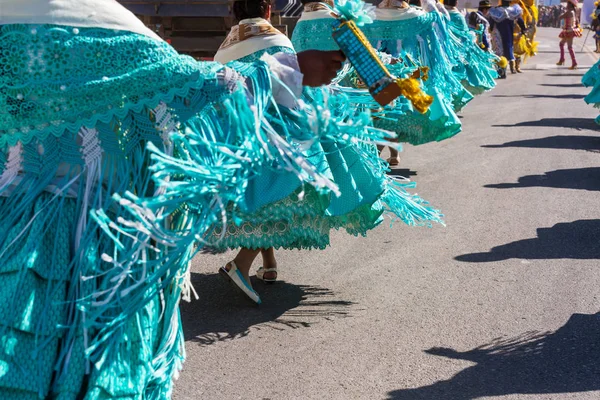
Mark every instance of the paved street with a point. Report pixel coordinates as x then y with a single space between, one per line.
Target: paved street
503 303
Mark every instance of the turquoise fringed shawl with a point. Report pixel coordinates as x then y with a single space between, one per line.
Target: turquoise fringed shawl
424 39
302 219
475 66
439 123
59 79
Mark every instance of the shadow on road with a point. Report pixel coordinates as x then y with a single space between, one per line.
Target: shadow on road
222 314
576 178
571 74
402 172
563 85
575 240
574 123
564 361
588 143
543 96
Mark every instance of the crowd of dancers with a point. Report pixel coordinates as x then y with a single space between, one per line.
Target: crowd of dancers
121 160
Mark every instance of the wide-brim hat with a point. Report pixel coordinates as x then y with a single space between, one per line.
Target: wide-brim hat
485 4
574 2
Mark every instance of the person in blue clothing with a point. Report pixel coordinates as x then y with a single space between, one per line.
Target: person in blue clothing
502 25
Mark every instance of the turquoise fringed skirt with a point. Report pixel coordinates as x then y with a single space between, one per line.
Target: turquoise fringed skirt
305 218
34 275
592 79
39 355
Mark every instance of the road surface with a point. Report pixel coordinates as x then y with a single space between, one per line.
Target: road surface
503 303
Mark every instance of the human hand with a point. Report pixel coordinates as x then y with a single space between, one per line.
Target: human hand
319 67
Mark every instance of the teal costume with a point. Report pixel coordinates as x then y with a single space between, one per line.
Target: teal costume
438 123
592 79
474 66
91 309
118 160
296 217
423 38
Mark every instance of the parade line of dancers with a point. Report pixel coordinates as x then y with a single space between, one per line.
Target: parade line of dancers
121 160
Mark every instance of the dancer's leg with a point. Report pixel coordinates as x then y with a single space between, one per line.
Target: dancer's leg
562 52
244 259
518 64
269 262
571 53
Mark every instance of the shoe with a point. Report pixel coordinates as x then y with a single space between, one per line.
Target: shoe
561 62
235 277
260 274
502 73
574 66
512 67
518 66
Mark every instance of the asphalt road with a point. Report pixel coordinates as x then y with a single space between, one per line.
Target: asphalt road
500 304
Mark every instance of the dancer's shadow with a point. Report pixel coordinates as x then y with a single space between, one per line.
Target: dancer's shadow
402 172
564 361
576 178
574 123
222 314
566 74
544 96
562 85
588 143
574 240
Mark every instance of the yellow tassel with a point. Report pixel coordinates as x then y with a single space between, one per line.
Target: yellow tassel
411 89
503 62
